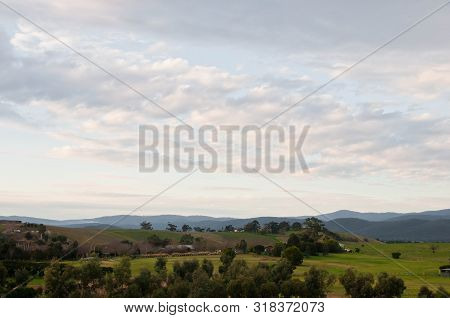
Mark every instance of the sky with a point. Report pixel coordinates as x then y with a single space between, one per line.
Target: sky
379 137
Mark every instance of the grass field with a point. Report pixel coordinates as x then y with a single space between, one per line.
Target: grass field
417 266
216 239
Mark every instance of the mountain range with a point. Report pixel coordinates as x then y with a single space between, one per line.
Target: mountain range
420 226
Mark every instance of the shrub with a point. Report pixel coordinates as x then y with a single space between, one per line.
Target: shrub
258 249
396 255
187 239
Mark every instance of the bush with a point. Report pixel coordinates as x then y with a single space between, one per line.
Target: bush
155 240
258 249
396 255
187 239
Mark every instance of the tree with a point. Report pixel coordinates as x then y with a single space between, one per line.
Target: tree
293 288
396 255
229 228
238 268
157 241
296 226
389 286
242 246
144 284
146 226
208 267
198 229
226 258
187 239
268 290
293 240
258 249
243 287
178 289
160 265
186 269
318 282
253 226
272 227
357 285
59 280
293 255
118 282
281 271
314 224
284 226
91 278
425 292
186 228
278 249
201 287
171 227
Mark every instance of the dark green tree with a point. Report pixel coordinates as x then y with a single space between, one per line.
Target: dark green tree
389 286
160 265
293 288
258 249
396 255
293 255
171 227
226 258
186 228
318 282
357 285
59 280
253 226
208 267
293 240
268 290
146 226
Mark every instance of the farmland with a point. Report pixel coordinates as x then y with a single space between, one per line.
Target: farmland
417 266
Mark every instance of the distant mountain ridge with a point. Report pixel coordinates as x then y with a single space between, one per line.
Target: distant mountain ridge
160 221
414 229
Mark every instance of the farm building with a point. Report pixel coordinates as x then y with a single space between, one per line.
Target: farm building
445 270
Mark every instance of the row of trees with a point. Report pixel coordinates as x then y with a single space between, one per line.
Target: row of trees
55 247
253 226
190 278
145 225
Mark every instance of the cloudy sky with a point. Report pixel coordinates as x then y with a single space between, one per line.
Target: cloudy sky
379 137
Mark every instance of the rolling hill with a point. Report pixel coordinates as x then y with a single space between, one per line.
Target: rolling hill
398 230
421 226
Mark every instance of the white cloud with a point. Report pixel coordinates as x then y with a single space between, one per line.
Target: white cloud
388 117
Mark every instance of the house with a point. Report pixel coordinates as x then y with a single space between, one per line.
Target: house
445 270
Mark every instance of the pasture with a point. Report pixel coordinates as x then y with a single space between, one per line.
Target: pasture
417 265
